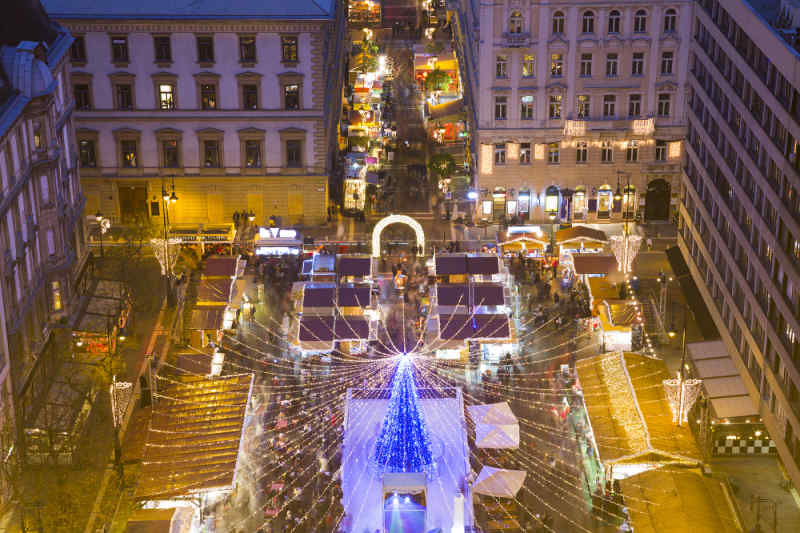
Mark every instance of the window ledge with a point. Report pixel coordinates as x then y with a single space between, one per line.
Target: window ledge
248 64
290 64
205 64
163 64
121 64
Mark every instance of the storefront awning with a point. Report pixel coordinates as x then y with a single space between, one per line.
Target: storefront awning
722 383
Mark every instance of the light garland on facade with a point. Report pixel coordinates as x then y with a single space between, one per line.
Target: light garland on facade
165 252
625 248
121 393
681 396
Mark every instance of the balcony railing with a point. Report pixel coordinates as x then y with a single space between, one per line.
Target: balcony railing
516 39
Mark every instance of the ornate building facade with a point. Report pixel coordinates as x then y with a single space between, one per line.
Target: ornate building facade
234 106
577 107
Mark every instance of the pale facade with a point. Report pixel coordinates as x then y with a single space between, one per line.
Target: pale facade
42 234
740 210
573 103
239 114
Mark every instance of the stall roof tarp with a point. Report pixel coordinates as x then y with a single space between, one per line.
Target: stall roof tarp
499 482
487 294
733 407
354 266
462 327
721 380
527 238
216 290
628 410
207 318
580 233
318 296
492 413
219 266
194 436
353 296
452 294
491 436
197 362
447 264
594 264
316 329
351 328
672 501
151 521
483 264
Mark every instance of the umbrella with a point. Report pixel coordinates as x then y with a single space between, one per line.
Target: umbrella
499 482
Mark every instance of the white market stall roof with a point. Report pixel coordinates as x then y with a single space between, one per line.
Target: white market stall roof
496 426
721 380
499 482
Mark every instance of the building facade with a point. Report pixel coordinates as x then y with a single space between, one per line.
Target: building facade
577 106
234 106
42 233
740 212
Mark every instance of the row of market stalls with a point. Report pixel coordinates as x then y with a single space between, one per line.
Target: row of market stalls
336 307
220 298
217 238
469 314
626 425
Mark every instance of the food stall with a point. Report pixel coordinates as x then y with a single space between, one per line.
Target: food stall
529 244
581 239
277 242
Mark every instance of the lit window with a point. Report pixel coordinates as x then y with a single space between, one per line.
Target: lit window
515 22
632 152
166 96
500 154
582 152
128 151
528 66
291 96
525 154
555 106
584 107
55 290
557 65
553 153
526 107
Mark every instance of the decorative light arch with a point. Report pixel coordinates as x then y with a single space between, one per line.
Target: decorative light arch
396 219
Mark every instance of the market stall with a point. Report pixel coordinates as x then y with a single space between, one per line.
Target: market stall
103 319
629 420
277 242
581 239
529 244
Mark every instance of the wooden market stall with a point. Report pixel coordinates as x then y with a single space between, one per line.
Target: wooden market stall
530 244
581 239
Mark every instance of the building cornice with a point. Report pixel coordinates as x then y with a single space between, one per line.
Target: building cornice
194 26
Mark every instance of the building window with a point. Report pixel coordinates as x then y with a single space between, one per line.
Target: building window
607 152
664 101
588 22
557 65
613 21
208 95
670 20
291 96
558 22
528 66
640 21
77 52
81 93
632 152
637 64
584 106
155 209
612 65
205 49
250 96
582 152
252 154
500 154
119 49
501 66
293 154
525 154
515 22
169 150
555 106
635 105
526 107
247 48
86 153
211 157
553 154
661 151
586 65
166 96
128 154
289 48
666 63
123 92
609 106
55 291
500 107
163 48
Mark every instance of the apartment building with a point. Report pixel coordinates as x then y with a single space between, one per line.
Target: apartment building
42 234
233 105
577 106
739 211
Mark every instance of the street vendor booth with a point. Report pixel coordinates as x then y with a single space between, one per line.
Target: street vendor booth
494 334
529 244
277 242
581 239
207 325
620 324
593 265
218 237
630 421
103 321
668 500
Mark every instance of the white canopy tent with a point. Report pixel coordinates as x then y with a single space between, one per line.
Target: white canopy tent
499 482
496 426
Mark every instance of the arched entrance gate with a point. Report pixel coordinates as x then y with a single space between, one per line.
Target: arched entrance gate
396 219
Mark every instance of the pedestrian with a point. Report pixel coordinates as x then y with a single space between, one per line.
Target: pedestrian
649 244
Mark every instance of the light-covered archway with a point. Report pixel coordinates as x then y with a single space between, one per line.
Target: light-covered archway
396 219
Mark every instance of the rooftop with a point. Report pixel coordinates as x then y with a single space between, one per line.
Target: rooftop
191 9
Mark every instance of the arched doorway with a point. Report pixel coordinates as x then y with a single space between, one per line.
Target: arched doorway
656 206
396 219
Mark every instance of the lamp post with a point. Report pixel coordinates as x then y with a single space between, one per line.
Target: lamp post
99 218
682 392
168 199
553 236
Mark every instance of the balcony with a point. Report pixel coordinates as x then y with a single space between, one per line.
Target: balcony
516 39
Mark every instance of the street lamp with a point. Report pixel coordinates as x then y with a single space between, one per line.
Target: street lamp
168 199
681 392
251 216
103 225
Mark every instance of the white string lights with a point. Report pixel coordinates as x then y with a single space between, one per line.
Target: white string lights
166 253
681 395
625 248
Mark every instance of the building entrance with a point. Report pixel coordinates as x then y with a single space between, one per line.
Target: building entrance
132 203
656 205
